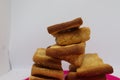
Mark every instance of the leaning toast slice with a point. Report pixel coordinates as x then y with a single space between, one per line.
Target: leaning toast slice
42 59
93 65
75 23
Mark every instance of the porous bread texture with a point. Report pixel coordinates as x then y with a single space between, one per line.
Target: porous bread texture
73 37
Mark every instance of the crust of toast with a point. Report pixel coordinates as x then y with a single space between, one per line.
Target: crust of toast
42 59
64 26
74 76
73 49
40 78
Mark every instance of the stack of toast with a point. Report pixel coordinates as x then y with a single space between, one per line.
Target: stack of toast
70 45
45 67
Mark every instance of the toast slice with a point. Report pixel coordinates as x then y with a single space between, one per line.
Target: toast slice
64 26
41 78
48 73
57 50
72 37
93 65
42 59
74 76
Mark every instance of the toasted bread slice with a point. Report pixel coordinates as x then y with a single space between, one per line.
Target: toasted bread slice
64 26
93 65
73 49
40 71
74 76
42 59
42 78
73 37
98 77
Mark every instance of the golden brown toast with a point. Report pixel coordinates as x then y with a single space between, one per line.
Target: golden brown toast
93 65
71 76
42 78
73 49
42 59
50 73
98 77
64 26
73 37
74 76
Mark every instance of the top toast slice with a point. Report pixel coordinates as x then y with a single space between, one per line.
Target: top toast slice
64 26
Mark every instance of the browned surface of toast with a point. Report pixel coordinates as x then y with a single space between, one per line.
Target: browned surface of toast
73 49
41 78
98 77
64 26
72 68
74 76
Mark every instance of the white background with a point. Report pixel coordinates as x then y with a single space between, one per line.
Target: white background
30 19
4 35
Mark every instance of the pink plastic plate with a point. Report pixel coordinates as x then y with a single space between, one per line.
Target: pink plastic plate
109 77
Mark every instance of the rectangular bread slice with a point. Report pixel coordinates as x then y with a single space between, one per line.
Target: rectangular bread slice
73 37
74 76
42 59
57 50
93 65
64 26
40 71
